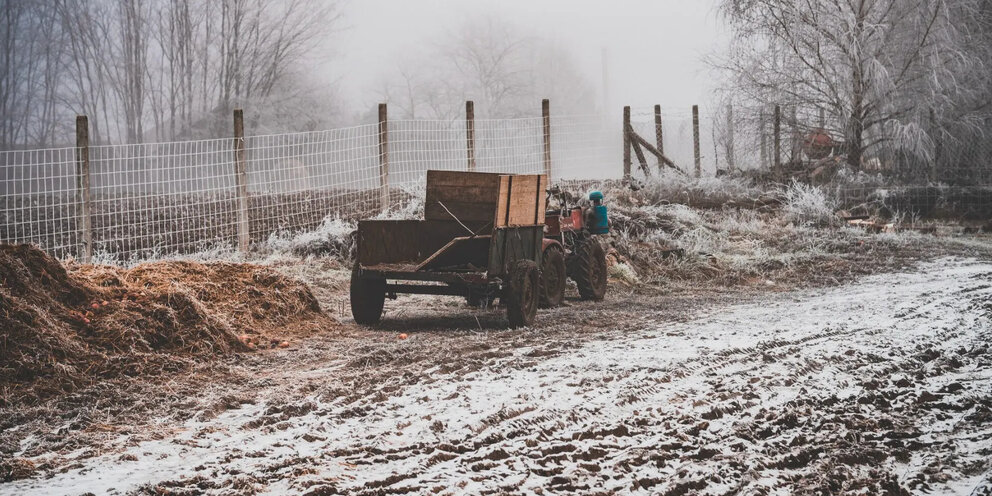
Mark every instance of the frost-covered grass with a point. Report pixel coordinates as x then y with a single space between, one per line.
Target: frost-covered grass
807 205
334 237
707 192
413 207
793 235
672 228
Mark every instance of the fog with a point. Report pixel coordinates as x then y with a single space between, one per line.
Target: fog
654 50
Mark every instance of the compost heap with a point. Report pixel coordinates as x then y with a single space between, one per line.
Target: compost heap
60 329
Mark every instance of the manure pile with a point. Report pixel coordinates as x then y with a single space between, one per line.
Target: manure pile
62 327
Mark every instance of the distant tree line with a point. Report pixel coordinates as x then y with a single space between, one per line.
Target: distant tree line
491 61
157 70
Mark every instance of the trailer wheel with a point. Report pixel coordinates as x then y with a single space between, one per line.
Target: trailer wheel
588 269
521 295
552 277
367 298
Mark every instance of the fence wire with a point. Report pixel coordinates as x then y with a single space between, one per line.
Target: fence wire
41 199
163 199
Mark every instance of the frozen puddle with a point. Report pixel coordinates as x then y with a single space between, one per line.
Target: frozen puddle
849 389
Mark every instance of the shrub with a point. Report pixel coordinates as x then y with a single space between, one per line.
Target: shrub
807 205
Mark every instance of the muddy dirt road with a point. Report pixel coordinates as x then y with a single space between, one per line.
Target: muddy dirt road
881 385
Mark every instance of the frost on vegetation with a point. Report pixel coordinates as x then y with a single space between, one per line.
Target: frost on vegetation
847 178
412 205
624 272
208 253
742 222
709 192
702 240
807 205
333 237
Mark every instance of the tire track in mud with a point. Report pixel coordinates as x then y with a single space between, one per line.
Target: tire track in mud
786 396
547 445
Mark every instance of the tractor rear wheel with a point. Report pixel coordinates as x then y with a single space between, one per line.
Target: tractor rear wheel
552 277
367 298
521 294
588 269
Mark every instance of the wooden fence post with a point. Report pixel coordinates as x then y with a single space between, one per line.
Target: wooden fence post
794 142
777 138
83 183
383 159
626 142
241 179
470 133
659 134
938 147
730 137
695 140
546 114
763 130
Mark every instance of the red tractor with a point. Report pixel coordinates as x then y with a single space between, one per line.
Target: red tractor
572 250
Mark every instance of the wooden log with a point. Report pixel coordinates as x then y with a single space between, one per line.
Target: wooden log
241 180
83 184
654 151
640 158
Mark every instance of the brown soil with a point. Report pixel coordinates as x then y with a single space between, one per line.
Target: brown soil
63 327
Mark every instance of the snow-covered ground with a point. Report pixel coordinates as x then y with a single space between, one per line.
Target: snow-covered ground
879 384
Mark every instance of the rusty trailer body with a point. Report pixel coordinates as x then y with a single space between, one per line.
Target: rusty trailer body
481 238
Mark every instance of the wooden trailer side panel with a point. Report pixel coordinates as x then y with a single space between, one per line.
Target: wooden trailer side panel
406 241
522 200
470 196
509 244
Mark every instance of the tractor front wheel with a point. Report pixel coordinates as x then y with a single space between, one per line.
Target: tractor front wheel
552 277
521 294
367 298
588 269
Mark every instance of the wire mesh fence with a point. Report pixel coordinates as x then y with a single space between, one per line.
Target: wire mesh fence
943 171
162 199
41 199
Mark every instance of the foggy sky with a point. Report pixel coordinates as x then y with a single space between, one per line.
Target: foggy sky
654 47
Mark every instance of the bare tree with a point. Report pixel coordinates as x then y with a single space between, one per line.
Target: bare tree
30 44
169 70
130 71
261 41
422 88
876 66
